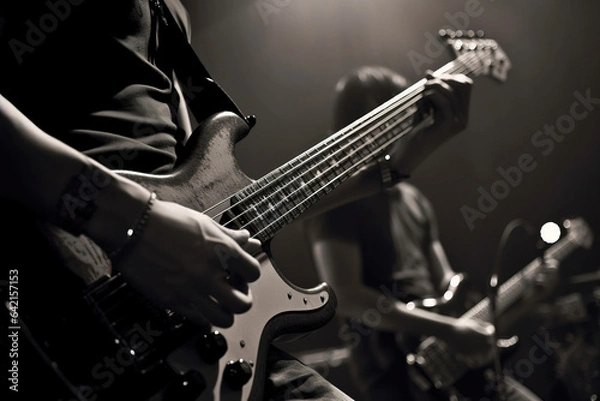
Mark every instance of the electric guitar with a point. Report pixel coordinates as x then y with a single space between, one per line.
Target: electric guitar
114 340
434 367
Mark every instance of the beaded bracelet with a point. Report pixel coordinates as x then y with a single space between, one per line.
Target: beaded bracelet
135 231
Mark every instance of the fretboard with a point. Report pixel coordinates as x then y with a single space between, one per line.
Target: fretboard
440 362
281 196
278 198
513 288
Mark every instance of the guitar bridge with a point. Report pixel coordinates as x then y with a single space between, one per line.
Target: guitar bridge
137 327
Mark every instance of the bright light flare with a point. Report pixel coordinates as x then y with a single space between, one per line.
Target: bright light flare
550 232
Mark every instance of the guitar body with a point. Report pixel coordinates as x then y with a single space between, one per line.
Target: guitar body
475 385
105 338
433 365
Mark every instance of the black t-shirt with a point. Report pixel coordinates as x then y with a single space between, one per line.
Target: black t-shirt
393 231
91 73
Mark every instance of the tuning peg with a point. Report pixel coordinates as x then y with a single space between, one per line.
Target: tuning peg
447 33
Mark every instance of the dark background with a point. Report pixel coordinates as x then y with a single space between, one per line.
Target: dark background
280 59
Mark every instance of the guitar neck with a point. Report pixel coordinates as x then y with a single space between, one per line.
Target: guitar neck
513 288
439 362
278 198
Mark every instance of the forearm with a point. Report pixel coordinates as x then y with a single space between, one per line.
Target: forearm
440 269
35 169
392 315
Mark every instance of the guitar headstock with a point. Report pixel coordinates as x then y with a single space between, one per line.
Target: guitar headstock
579 231
481 55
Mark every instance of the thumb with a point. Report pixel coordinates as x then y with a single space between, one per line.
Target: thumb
243 238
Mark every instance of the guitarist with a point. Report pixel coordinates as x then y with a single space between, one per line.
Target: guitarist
88 87
388 244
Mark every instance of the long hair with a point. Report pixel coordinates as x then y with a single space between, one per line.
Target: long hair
362 90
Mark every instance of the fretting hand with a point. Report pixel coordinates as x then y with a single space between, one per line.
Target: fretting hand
447 98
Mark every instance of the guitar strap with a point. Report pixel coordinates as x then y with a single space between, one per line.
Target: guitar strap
202 93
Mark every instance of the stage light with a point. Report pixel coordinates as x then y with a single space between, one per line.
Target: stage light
550 232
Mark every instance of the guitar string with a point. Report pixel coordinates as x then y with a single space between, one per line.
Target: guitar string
340 135
457 66
311 198
320 147
481 310
526 272
324 189
282 217
385 108
481 306
281 188
337 136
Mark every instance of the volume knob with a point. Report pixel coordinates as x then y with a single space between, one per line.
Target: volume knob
237 373
212 347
